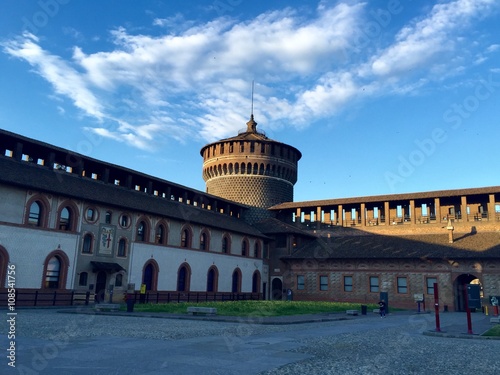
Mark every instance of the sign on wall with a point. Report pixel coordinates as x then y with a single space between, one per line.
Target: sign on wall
418 297
106 240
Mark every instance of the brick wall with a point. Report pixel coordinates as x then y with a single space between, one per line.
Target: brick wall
257 191
416 273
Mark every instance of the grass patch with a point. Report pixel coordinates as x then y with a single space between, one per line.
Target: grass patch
256 308
493 332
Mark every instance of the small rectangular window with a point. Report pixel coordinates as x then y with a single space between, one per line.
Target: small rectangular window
323 283
374 284
347 283
402 285
300 282
430 285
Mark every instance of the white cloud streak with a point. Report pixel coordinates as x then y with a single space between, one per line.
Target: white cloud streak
64 78
196 82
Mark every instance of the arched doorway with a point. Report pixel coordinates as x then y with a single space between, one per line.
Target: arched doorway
236 281
100 286
150 275
276 289
183 278
459 292
256 282
212 279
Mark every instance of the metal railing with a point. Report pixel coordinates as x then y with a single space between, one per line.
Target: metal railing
44 298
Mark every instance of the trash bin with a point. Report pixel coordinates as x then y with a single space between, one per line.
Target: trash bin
130 301
363 309
130 305
445 308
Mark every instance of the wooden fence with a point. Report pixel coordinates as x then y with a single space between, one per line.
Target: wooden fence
40 297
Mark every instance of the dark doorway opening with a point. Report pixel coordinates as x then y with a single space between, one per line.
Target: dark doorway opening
100 286
459 289
277 289
148 276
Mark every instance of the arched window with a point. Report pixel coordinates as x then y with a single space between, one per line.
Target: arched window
65 219
52 273
142 233
37 211
183 278
122 248
35 214
226 245
204 240
87 244
244 247
256 250
107 217
161 234
186 237
236 282
55 270
82 281
212 279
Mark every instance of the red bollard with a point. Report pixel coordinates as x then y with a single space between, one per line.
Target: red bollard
436 307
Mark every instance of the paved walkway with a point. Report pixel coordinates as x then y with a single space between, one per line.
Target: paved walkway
450 324
48 342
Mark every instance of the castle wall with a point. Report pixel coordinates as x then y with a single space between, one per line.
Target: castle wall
417 274
258 191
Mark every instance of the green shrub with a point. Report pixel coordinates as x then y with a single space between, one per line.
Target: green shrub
256 308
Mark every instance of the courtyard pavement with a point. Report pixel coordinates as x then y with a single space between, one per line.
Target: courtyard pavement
79 341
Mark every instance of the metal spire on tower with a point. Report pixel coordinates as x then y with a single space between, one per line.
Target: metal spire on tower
252 125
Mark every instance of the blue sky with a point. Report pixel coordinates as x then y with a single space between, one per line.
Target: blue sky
381 97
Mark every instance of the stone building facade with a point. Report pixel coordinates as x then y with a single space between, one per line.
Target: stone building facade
75 223
69 222
410 242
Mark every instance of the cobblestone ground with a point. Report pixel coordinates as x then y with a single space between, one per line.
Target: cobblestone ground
394 345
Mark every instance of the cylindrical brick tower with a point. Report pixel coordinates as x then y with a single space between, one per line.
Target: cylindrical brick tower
251 169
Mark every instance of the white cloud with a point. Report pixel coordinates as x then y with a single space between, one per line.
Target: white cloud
493 48
194 80
418 44
66 80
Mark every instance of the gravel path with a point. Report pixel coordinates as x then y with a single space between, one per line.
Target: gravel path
364 345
